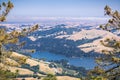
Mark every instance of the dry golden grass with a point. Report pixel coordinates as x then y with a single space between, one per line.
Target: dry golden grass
30 78
95 45
21 71
66 78
58 78
91 34
44 66
14 54
12 62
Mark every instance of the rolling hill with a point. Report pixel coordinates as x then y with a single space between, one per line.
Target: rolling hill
93 37
29 72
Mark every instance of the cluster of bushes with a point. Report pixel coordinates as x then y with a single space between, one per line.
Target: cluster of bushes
69 70
35 69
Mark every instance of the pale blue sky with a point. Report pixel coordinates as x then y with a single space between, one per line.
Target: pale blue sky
62 8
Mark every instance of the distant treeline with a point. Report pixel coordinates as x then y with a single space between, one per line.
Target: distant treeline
60 46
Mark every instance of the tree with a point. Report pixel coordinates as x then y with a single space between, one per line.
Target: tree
8 39
6 75
114 22
109 66
4 10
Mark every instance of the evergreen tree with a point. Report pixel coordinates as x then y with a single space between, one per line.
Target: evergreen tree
109 66
7 39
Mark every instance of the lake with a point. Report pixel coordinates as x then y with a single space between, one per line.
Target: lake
88 63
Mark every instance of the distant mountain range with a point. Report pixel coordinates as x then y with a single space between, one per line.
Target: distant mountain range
69 39
58 19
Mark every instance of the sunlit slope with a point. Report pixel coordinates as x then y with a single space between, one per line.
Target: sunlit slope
90 39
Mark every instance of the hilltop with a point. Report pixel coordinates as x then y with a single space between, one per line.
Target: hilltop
95 36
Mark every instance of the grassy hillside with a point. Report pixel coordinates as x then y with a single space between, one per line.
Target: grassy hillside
94 37
28 70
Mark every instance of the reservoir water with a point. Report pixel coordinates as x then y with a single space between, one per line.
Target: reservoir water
88 63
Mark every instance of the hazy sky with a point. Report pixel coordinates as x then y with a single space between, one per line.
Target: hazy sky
62 8
72 8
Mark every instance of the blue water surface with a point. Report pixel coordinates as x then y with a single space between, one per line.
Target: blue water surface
88 63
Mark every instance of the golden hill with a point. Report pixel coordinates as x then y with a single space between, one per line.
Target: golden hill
43 67
91 34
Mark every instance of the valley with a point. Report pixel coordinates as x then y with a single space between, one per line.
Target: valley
66 50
